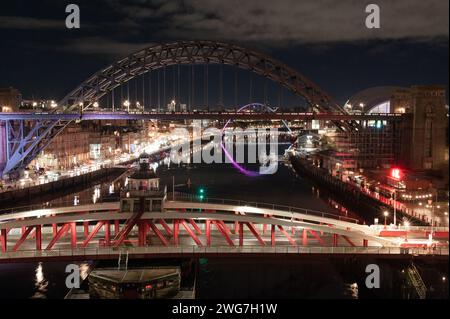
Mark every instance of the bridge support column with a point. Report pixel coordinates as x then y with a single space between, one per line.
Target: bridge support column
55 229
176 230
3 237
38 237
335 240
107 233
86 228
236 227
241 234
264 227
116 226
194 224
142 231
73 235
272 235
208 232
305 237
365 242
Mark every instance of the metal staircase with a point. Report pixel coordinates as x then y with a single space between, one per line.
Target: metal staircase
122 263
416 281
129 224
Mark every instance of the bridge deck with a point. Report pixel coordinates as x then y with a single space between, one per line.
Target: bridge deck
199 116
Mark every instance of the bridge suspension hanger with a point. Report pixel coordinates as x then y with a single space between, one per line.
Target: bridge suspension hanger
193 85
221 86
235 88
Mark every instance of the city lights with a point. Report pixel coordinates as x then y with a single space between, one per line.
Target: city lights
149 156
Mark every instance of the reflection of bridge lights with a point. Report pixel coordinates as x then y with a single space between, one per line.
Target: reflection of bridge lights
84 271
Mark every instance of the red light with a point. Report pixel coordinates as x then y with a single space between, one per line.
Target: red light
396 173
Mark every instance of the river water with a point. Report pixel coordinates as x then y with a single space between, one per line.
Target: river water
218 277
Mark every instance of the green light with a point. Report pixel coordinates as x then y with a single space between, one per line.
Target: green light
201 190
201 197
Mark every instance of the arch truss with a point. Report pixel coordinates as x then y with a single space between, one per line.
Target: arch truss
21 153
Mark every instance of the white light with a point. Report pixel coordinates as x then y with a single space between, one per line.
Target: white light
95 104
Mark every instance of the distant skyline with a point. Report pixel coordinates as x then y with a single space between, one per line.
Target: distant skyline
324 40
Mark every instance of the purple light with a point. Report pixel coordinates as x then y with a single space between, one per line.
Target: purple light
233 162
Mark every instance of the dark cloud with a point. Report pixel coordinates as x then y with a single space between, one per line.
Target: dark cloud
102 46
324 39
273 23
28 23
291 21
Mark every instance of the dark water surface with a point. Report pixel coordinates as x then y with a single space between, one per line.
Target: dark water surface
223 277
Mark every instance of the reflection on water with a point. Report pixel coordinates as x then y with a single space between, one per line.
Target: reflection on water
352 291
40 284
84 270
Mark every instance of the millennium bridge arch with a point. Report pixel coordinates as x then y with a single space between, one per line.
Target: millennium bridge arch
24 144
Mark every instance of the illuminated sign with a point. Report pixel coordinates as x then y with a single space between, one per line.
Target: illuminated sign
396 173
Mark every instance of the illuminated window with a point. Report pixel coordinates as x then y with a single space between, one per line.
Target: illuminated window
384 107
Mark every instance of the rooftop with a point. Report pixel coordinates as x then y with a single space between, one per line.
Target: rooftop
133 275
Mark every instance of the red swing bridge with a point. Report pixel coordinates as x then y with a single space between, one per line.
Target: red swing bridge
187 226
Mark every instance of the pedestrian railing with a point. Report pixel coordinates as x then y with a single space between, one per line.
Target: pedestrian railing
222 250
235 202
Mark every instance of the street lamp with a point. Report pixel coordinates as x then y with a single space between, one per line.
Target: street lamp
395 210
386 214
127 105
406 224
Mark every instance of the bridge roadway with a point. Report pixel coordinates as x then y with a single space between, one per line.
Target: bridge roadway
90 115
207 229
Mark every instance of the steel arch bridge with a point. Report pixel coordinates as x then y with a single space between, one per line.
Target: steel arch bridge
196 52
23 146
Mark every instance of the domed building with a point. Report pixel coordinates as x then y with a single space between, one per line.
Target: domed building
374 100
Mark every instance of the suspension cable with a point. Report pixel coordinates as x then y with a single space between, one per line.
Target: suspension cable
164 88
159 90
250 97
173 85
113 98
221 87
189 87
150 88
235 87
193 85
178 87
265 92
143 91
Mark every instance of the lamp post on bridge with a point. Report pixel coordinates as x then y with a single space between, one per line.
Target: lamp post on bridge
386 214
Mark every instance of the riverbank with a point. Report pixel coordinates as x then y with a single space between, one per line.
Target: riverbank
365 206
51 190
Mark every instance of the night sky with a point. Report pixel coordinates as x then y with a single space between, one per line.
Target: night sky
324 40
